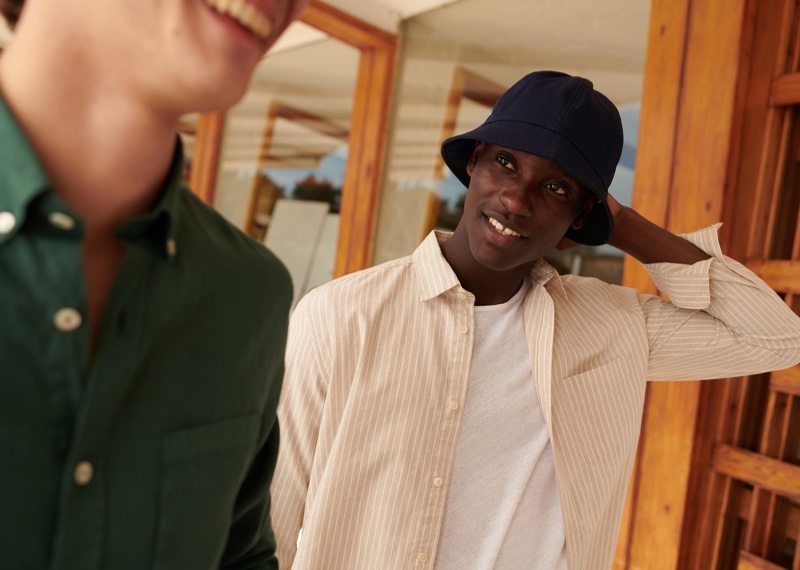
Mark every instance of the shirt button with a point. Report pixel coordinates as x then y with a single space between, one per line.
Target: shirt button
7 222
422 557
464 330
172 247
84 471
453 405
437 482
67 319
462 296
61 220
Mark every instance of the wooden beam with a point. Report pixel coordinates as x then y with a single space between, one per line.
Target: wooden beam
771 474
431 214
749 561
792 517
786 381
465 85
203 176
682 175
785 90
266 143
781 275
346 27
363 171
655 156
311 121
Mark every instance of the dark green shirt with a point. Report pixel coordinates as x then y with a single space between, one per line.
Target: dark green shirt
158 452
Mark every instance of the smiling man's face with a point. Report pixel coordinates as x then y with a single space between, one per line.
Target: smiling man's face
178 56
518 207
209 48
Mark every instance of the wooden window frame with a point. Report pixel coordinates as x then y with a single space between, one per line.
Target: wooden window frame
278 110
368 123
714 476
465 85
470 86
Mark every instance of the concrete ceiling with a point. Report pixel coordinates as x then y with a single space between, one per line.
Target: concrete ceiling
601 39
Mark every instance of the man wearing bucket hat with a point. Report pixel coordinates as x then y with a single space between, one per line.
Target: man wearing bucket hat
468 408
141 335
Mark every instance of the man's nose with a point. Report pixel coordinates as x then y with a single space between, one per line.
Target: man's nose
517 199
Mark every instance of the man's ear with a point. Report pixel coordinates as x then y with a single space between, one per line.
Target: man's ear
473 159
583 214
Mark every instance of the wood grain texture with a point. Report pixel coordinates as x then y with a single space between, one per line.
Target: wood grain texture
785 90
786 381
208 142
655 155
363 173
367 129
777 476
782 275
681 185
749 561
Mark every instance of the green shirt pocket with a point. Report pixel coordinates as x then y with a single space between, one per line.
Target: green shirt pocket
203 468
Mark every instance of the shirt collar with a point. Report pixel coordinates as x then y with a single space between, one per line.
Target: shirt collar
22 179
159 226
435 275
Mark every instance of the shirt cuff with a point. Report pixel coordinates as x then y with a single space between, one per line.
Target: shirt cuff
688 286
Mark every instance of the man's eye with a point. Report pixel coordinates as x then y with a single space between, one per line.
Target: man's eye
505 162
556 189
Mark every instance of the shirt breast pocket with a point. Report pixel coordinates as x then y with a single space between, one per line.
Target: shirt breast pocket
597 413
203 468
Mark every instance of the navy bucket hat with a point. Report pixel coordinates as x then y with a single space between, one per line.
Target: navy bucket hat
562 118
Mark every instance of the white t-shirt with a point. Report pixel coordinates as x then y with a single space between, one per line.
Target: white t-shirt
502 510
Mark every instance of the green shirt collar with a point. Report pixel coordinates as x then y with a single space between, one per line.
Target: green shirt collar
22 179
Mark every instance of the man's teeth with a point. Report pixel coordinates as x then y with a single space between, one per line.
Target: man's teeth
246 14
502 229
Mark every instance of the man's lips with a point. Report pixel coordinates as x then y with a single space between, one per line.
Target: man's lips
504 227
247 14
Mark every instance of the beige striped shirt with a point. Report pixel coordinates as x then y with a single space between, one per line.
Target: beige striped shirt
377 369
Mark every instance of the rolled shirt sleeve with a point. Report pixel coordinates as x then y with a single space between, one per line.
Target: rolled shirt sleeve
722 320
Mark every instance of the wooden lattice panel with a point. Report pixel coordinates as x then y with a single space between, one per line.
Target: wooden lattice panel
743 505
760 466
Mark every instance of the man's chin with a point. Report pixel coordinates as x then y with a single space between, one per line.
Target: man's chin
209 96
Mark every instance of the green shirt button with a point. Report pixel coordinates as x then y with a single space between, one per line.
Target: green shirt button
84 471
7 222
61 221
67 319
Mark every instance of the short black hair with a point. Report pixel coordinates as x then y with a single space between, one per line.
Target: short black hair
11 10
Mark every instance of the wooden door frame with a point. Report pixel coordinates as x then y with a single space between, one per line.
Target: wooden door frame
365 159
699 162
688 125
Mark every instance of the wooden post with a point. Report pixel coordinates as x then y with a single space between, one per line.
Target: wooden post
367 131
203 177
682 170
